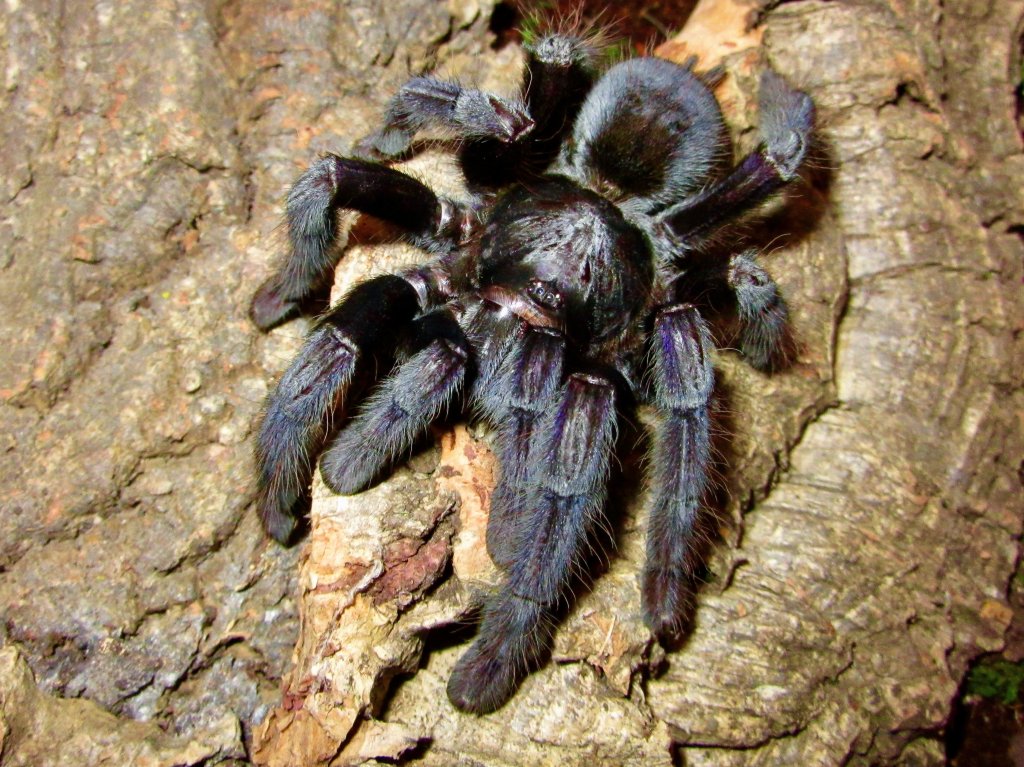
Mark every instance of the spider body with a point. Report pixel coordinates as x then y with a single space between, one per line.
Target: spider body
553 298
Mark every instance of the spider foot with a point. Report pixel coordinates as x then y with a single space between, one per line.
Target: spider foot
787 117
668 599
270 308
764 335
512 639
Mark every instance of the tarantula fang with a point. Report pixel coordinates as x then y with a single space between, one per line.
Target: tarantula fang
554 295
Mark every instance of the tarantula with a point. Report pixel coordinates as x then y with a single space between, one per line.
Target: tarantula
559 292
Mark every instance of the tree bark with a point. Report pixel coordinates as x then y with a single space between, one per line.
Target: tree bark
870 495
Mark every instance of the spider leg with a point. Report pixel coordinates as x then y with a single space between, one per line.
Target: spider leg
567 493
502 140
468 113
298 412
515 397
787 117
400 409
764 335
683 381
559 72
331 184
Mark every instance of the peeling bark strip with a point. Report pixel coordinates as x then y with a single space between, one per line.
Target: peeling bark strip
874 486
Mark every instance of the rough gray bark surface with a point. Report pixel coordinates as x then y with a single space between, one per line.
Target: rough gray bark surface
873 491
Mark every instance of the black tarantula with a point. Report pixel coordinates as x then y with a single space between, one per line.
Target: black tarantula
555 295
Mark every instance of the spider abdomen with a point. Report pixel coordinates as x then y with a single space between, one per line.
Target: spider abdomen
649 132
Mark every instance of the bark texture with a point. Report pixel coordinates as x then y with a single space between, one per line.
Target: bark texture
871 494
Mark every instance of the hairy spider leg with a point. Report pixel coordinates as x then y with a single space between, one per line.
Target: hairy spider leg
503 139
466 112
515 398
764 337
787 118
683 380
298 412
560 70
566 498
331 184
401 407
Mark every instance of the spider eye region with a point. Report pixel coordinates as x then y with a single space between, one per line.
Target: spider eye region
545 294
